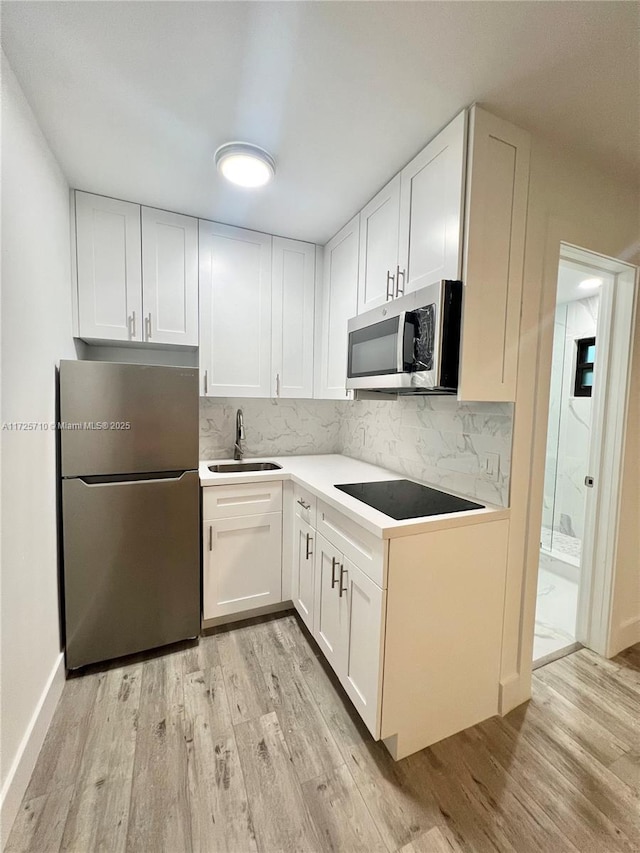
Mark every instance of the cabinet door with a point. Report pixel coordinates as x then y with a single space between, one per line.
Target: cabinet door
235 311
362 674
339 305
242 564
379 224
431 208
497 191
303 574
169 277
330 617
293 293
108 249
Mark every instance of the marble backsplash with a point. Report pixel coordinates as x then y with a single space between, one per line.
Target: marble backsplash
435 439
272 427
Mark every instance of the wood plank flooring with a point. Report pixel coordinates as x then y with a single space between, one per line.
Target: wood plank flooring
247 743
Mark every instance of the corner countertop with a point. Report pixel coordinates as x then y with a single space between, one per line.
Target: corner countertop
319 474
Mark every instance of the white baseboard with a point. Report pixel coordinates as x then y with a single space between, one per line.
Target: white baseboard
19 775
627 634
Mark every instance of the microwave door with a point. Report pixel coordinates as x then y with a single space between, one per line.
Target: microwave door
373 350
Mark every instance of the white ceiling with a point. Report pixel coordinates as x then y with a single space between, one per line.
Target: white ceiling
571 275
134 97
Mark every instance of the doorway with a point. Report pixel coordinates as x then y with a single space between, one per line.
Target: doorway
582 385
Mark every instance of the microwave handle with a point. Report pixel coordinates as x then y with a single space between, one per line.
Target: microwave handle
400 339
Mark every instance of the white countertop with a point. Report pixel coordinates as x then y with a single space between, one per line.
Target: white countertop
319 474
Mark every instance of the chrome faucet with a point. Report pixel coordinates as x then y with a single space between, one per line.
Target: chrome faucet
237 449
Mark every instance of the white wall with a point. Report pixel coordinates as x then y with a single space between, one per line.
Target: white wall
569 201
625 616
36 333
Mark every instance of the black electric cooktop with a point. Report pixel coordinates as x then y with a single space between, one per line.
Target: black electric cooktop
403 499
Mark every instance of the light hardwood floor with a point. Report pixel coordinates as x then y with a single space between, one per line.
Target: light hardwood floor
247 743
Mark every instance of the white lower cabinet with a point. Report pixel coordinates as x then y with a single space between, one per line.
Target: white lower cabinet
362 666
303 571
242 563
330 611
349 628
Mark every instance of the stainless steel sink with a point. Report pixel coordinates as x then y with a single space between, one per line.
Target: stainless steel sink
238 467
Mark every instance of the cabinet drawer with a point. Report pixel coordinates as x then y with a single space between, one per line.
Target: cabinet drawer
242 499
363 548
304 504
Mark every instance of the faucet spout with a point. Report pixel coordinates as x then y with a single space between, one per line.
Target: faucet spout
237 448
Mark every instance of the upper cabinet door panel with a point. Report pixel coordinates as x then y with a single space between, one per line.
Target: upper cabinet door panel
170 277
431 209
379 224
108 248
496 214
235 289
293 293
339 305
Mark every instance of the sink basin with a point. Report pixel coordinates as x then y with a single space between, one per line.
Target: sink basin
238 467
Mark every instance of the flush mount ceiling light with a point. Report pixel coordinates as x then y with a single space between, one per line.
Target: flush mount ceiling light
590 283
244 164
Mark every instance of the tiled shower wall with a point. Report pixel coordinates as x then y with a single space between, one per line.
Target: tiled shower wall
435 439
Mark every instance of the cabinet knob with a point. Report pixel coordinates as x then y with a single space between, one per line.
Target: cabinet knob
390 282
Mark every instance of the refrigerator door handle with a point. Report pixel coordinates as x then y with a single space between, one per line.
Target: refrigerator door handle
123 479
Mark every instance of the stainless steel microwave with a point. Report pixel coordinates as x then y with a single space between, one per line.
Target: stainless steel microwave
410 345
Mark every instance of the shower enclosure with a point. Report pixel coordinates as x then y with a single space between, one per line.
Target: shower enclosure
567 458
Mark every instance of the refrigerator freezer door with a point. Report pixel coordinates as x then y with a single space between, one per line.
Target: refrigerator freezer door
131 565
127 418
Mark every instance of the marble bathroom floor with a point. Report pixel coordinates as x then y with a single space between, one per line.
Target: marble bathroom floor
556 611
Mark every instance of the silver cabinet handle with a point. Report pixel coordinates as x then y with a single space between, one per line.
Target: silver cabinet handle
147 322
309 552
211 537
131 322
304 505
343 571
390 281
403 273
130 326
277 384
206 382
334 579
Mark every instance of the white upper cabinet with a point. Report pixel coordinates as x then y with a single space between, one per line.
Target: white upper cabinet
235 311
108 250
137 273
431 210
169 277
293 294
496 216
339 304
378 262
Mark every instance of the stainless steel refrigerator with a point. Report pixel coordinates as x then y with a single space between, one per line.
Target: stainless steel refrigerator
130 507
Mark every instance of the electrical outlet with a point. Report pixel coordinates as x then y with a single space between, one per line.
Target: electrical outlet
490 465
